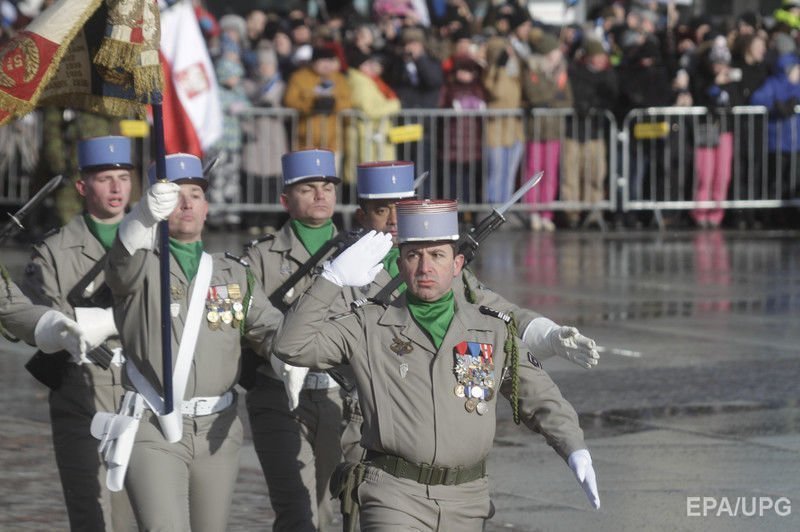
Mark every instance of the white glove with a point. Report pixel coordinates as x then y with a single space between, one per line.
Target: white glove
56 332
580 462
360 263
293 379
138 228
96 323
545 337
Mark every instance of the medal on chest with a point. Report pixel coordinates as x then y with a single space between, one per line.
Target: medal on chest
224 306
474 370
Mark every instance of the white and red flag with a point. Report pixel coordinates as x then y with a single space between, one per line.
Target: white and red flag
191 106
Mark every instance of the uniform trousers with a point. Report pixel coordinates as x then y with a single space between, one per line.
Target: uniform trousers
298 451
187 485
85 390
391 504
352 452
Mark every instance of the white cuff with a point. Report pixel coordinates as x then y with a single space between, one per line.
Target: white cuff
47 340
137 230
535 336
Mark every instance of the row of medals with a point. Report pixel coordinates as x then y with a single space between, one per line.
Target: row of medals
227 311
475 383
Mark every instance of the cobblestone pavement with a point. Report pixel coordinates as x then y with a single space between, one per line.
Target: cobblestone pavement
708 408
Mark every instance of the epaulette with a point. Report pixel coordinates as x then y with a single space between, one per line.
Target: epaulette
259 240
354 306
240 260
488 311
46 235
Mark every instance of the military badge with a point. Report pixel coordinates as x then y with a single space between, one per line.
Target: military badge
474 370
400 347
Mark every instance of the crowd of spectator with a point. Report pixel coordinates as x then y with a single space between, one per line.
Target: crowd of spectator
461 54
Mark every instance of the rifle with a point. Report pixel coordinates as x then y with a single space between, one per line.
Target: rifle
250 360
15 224
339 243
468 244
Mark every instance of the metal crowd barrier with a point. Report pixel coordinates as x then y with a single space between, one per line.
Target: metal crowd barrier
454 147
650 163
667 152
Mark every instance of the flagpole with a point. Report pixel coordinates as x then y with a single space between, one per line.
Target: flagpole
163 246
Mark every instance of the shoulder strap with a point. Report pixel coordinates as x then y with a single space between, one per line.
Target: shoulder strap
187 345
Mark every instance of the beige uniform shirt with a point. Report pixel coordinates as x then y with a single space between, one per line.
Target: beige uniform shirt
134 281
18 315
408 398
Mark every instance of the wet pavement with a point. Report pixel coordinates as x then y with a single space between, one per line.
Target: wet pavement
692 416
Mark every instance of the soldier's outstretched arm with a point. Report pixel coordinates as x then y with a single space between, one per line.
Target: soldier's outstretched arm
542 335
544 410
306 338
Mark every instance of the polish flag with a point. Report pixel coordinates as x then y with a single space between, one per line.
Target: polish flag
191 106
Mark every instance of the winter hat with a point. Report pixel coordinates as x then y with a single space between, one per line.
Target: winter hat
543 42
227 69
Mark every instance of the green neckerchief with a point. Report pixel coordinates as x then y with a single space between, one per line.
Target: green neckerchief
390 265
104 233
433 316
187 255
312 238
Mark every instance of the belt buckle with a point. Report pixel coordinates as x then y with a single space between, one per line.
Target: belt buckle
196 406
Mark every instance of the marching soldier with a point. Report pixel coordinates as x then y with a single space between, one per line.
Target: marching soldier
428 368
183 466
66 273
297 440
380 186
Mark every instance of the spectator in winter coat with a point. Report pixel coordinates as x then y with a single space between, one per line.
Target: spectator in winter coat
717 86
546 86
595 90
502 80
224 181
780 94
462 140
367 137
318 91
265 139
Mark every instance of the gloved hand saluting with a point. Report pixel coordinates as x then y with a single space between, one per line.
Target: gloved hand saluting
546 338
138 228
580 462
56 332
360 263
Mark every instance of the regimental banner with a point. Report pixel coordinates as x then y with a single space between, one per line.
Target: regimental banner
31 59
75 54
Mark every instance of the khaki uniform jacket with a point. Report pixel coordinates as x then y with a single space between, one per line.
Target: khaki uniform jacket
57 265
60 262
275 260
134 281
18 315
408 400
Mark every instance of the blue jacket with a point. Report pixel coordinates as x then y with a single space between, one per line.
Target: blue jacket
778 89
